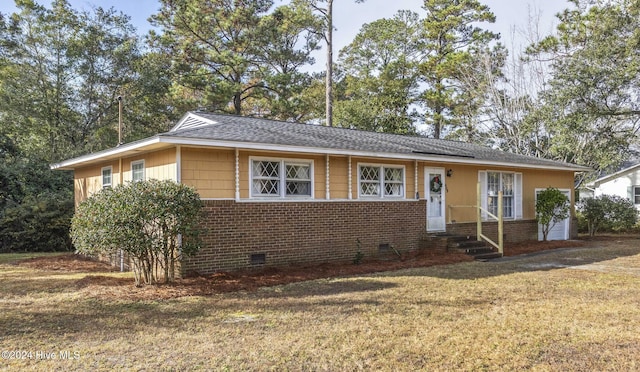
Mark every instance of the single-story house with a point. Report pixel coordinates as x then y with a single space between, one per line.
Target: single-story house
624 183
279 192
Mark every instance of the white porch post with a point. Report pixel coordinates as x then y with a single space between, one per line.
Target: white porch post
349 182
415 179
327 193
237 174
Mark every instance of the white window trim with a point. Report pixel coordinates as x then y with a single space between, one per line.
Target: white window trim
283 178
633 194
144 169
382 196
110 168
517 193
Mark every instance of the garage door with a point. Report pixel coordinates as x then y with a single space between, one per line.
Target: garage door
561 229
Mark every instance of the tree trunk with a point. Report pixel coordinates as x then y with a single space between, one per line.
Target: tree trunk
237 103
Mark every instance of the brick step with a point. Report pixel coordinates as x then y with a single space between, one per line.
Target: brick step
470 245
466 244
487 256
476 250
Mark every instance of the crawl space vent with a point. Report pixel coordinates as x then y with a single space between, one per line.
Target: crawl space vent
258 259
384 247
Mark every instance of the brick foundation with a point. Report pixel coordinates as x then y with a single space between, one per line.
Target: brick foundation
302 232
284 233
514 231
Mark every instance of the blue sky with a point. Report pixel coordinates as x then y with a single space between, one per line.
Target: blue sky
349 17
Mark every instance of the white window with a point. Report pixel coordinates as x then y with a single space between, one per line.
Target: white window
636 195
381 181
137 171
510 184
281 178
107 176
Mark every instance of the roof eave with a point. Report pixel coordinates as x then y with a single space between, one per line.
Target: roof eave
120 151
146 144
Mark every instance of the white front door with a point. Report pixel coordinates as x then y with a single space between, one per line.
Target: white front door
560 231
435 192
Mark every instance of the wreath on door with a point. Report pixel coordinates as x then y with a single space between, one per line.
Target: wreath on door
436 184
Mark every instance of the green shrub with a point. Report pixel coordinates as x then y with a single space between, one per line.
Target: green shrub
609 213
38 224
36 203
552 206
155 222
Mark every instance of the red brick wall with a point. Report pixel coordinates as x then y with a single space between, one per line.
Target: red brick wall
514 231
301 232
306 232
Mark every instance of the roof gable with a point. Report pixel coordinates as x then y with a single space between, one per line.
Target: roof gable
190 121
618 174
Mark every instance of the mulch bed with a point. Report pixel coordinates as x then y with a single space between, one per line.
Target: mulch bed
252 279
68 262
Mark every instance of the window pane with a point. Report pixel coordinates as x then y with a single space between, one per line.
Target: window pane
298 172
369 174
507 206
266 187
493 183
393 174
507 184
393 189
137 171
370 188
298 182
393 182
106 177
496 182
266 169
265 178
299 188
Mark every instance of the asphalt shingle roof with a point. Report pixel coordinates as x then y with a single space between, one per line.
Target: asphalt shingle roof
272 132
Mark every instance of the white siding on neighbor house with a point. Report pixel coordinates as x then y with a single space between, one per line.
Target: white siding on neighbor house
622 186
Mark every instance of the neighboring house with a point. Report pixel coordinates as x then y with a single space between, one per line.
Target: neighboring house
279 193
624 183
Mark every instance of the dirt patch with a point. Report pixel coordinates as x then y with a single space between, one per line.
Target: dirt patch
67 262
515 249
252 279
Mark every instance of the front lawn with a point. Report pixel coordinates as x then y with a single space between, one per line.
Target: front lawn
569 309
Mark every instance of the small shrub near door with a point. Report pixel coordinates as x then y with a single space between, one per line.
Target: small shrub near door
155 222
552 206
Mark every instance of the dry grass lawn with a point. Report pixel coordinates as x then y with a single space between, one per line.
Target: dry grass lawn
566 309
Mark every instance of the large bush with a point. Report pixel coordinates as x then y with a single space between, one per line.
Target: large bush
36 203
552 206
608 212
155 222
